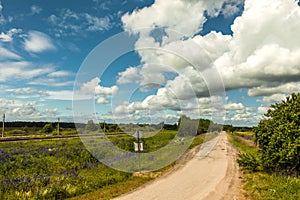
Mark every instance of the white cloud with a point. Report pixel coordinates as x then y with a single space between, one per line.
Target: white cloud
6 103
262 109
177 52
61 73
2 19
38 42
244 117
51 82
35 9
94 87
8 37
163 100
96 23
246 60
89 87
68 22
100 90
265 60
261 55
234 106
273 98
21 70
130 75
274 88
25 110
102 100
231 7
60 95
21 91
184 16
51 112
6 54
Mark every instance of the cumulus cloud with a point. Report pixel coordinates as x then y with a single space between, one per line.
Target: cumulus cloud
164 99
265 59
273 98
8 36
19 110
268 56
130 75
262 109
273 88
102 100
94 87
38 42
184 17
234 106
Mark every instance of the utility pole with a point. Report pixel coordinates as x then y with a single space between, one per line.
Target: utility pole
58 119
3 122
104 126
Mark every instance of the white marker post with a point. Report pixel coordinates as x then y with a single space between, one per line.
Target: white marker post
138 146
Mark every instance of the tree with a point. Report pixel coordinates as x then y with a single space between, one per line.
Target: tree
48 128
91 126
278 136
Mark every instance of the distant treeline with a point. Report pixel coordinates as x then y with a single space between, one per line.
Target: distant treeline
22 124
200 125
230 128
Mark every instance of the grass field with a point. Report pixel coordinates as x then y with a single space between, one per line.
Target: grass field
59 169
261 185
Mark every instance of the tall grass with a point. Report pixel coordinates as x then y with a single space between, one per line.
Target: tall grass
261 185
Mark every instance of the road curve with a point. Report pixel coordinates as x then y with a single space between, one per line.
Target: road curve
214 176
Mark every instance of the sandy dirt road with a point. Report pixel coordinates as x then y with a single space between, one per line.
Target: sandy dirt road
211 174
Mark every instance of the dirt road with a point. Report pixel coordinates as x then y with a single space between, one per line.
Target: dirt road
211 174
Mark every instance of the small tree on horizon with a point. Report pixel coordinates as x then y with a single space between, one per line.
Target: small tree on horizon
48 128
91 126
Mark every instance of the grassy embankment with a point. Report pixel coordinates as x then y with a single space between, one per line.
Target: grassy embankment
260 185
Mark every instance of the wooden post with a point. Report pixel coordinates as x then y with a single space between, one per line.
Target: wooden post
139 149
58 119
104 126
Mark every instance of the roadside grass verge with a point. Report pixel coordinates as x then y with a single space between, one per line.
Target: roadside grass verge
260 185
115 190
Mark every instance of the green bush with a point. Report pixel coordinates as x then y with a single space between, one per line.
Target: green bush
48 128
278 136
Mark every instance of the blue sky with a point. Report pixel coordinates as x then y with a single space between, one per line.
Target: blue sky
249 50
